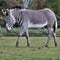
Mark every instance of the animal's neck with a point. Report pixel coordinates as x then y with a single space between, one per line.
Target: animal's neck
11 14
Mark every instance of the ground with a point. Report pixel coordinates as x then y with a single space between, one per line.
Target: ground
36 51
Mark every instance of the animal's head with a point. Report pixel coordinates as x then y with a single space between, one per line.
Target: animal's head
9 18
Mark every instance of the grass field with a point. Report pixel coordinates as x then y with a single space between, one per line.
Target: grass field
8 51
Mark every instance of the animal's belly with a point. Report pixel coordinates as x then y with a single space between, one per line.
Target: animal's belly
31 25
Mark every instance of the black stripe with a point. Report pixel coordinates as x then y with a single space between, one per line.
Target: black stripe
21 21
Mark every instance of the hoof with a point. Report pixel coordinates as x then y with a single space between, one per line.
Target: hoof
46 46
28 45
17 44
55 44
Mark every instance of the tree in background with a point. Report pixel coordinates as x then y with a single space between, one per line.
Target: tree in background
25 3
58 3
40 4
11 3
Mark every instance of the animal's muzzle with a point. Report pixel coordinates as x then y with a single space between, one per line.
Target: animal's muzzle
8 28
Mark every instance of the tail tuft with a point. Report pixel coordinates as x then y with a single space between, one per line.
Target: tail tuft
55 26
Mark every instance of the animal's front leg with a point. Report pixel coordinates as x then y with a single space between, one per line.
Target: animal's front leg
20 34
17 42
27 37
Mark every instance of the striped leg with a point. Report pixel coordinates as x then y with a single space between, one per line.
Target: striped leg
27 37
54 36
49 35
17 42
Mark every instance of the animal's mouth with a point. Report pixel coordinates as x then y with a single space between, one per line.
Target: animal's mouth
8 28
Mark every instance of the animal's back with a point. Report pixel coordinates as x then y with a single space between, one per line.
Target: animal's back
49 14
36 16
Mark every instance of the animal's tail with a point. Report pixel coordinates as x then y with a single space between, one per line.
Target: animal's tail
55 23
55 26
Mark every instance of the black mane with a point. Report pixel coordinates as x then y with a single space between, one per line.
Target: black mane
18 7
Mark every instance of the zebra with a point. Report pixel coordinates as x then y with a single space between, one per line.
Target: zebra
28 18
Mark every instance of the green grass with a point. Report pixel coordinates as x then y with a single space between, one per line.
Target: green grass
16 31
36 51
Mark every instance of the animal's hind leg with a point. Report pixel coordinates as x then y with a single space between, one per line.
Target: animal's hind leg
49 35
27 37
55 41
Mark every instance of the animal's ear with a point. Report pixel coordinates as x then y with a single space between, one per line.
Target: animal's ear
5 12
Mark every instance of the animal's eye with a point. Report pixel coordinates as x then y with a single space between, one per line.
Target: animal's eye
7 14
8 19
